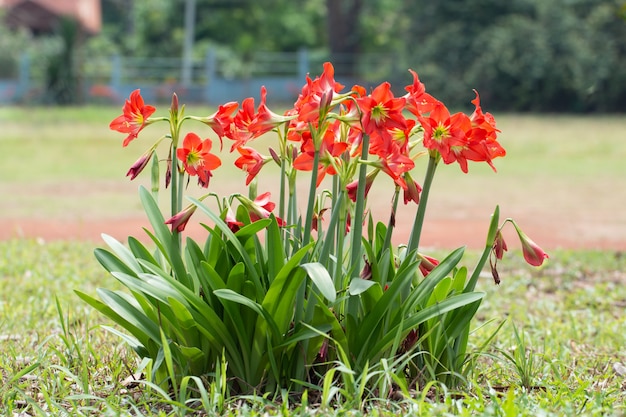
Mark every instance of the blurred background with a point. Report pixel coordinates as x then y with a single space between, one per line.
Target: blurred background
522 55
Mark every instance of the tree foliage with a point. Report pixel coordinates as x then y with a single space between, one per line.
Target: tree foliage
523 55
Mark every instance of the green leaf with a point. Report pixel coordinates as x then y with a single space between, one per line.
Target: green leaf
275 250
358 286
123 253
414 320
168 243
111 263
321 278
232 239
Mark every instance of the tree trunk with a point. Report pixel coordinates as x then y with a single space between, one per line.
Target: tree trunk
343 34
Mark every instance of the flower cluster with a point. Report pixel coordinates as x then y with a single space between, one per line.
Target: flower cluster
329 132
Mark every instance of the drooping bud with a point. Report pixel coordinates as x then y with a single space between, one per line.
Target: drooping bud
533 254
179 221
139 165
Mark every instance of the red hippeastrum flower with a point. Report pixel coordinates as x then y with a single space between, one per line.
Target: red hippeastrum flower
196 157
260 208
369 180
134 117
316 95
220 120
499 245
446 134
418 101
330 152
382 111
250 161
233 224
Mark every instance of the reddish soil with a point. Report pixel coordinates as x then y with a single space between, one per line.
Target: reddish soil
458 214
438 232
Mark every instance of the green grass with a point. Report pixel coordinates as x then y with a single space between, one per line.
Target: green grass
570 314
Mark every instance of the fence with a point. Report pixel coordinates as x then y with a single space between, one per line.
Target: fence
217 78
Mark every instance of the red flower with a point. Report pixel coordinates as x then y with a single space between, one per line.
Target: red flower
412 190
316 95
248 123
369 180
395 164
261 208
197 158
382 111
232 222
418 101
179 221
329 153
483 136
220 120
250 161
499 245
427 264
446 134
134 117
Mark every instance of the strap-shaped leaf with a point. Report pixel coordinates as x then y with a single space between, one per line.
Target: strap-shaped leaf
321 278
359 286
122 252
449 304
168 242
232 239
230 295
420 294
110 262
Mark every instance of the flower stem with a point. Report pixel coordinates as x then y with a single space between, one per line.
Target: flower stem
311 203
416 232
357 221
392 219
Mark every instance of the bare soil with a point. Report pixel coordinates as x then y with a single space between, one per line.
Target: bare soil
453 220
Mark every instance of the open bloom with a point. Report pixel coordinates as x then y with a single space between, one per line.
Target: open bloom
330 151
250 161
260 208
134 117
196 157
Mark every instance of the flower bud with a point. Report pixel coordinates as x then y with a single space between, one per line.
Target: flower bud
533 254
179 221
139 165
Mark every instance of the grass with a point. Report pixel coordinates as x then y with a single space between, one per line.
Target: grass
568 317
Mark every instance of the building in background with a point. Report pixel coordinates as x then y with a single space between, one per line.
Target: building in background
42 16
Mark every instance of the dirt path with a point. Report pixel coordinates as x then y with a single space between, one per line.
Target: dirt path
439 232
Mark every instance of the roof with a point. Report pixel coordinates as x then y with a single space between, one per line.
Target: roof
42 15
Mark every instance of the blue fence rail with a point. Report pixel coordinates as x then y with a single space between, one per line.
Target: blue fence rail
214 79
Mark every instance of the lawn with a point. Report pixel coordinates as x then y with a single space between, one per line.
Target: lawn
570 314
560 350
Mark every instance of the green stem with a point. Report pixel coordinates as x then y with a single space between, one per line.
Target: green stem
392 220
308 221
416 232
357 221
